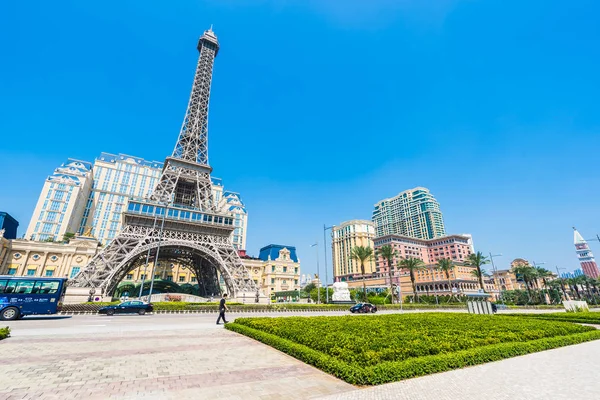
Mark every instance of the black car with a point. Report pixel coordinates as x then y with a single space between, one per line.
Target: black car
363 308
127 307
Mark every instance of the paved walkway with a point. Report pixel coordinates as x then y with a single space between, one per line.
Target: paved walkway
189 357
149 357
565 373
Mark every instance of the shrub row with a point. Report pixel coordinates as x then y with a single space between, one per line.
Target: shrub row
580 317
413 357
4 333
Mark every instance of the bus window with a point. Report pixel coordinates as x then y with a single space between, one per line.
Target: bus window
2 285
45 287
20 287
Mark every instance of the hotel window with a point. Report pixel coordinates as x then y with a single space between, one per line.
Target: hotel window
12 271
31 272
284 269
272 281
182 279
194 279
49 272
143 276
74 271
272 268
129 276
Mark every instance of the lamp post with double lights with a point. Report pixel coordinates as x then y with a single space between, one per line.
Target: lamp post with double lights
316 246
325 228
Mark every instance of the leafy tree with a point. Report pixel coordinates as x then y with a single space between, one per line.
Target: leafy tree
308 288
527 274
477 260
412 264
362 254
68 236
50 239
388 253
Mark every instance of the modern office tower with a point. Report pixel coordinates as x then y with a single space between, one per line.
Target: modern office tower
62 201
414 213
585 257
344 238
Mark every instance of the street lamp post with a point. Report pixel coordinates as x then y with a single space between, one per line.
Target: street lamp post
316 246
162 225
325 228
496 274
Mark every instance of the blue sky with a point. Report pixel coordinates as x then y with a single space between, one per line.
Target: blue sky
320 108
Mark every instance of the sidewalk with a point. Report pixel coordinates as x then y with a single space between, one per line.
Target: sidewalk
565 373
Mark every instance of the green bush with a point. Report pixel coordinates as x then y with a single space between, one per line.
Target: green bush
4 333
580 317
372 350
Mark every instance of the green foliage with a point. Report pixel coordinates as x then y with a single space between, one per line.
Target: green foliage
4 333
372 350
67 237
579 317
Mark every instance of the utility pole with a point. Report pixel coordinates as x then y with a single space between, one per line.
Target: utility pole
325 228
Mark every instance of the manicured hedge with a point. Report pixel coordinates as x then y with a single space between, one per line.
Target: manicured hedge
4 333
370 350
580 317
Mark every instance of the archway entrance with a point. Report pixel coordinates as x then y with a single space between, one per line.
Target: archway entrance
181 268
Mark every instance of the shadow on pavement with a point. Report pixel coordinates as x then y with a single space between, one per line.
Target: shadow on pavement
35 318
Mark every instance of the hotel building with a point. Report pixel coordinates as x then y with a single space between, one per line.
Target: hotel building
344 238
87 199
414 213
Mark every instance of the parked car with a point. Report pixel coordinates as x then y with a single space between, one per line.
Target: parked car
128 307
363 308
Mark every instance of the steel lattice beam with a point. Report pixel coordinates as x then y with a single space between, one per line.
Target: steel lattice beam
184 182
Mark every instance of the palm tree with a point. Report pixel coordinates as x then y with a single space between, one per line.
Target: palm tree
445 265
477 260
573 283
542 273
412 264
362 254
528 274
388 253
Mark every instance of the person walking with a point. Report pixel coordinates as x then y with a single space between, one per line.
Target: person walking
222 309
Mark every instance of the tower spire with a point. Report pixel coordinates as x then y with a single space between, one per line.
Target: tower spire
185 178
585 256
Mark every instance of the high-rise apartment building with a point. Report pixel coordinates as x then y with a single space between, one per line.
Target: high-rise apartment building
414 213
88 199
62 201
344 238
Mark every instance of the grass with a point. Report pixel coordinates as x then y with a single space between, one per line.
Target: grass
4 333
370 350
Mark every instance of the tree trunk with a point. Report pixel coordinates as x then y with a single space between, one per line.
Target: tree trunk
480 278
391 283
414 286
362 270
451 296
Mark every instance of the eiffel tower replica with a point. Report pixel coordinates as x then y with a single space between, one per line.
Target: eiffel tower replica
179 221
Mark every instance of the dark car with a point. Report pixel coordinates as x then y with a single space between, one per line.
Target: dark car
127 307
363 308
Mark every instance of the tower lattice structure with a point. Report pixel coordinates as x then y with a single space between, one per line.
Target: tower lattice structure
179 220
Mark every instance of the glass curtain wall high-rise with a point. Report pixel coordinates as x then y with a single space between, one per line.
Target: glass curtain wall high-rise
414 213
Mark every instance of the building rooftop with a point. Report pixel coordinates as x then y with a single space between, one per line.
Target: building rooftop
271 252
